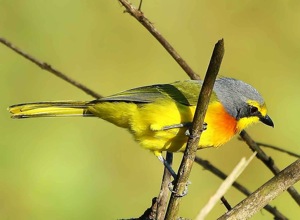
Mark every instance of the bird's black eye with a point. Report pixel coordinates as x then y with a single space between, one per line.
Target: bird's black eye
253 110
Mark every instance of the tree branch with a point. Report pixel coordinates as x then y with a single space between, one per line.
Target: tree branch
195 134
47 67
264 194
224 187
163 196
150 213
278 149
208 166
139 16
268 161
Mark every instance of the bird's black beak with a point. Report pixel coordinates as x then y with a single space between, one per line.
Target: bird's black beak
267 120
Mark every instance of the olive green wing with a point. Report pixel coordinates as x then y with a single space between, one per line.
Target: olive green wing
144 94
189 91
184 92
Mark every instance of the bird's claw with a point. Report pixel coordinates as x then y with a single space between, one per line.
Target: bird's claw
185 192
188 131
204 127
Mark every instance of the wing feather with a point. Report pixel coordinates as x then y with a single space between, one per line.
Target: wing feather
184 92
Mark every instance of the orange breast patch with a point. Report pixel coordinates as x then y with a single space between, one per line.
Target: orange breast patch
221 126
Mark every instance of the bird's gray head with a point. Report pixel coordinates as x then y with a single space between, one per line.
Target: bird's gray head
241 100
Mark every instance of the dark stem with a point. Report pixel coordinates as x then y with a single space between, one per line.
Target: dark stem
226 203
278 149
47 67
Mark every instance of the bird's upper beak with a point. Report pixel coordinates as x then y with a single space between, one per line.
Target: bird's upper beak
267 120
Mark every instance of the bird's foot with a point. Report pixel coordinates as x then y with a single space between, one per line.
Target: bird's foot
188 131
181 125
185 191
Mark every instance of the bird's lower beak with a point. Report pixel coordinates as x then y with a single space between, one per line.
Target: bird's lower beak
267 120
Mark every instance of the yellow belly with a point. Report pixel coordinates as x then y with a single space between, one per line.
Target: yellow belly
146 123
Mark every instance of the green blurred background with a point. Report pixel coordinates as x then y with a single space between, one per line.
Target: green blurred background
83 168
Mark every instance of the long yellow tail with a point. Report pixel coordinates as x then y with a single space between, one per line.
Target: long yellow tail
50 109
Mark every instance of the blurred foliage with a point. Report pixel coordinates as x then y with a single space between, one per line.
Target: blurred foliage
86 168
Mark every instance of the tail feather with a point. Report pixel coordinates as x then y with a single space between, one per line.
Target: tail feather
50 109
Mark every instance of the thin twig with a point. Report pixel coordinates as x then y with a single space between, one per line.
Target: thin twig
139 16
264 194
193 141
226 184
47 67
140 5
278 149
208 166
226 203
268 161
163 196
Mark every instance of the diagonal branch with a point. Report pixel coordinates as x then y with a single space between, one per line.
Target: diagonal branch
163 196
208 166
47 67
139 16
266 193
198 121
268 161
278 149
224 187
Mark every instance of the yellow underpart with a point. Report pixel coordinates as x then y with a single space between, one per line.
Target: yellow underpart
146 123
118 113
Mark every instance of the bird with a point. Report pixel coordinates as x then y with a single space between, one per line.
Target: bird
159 116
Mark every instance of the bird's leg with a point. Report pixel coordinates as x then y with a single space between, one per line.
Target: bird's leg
172 172
188 131
181 125
167 165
